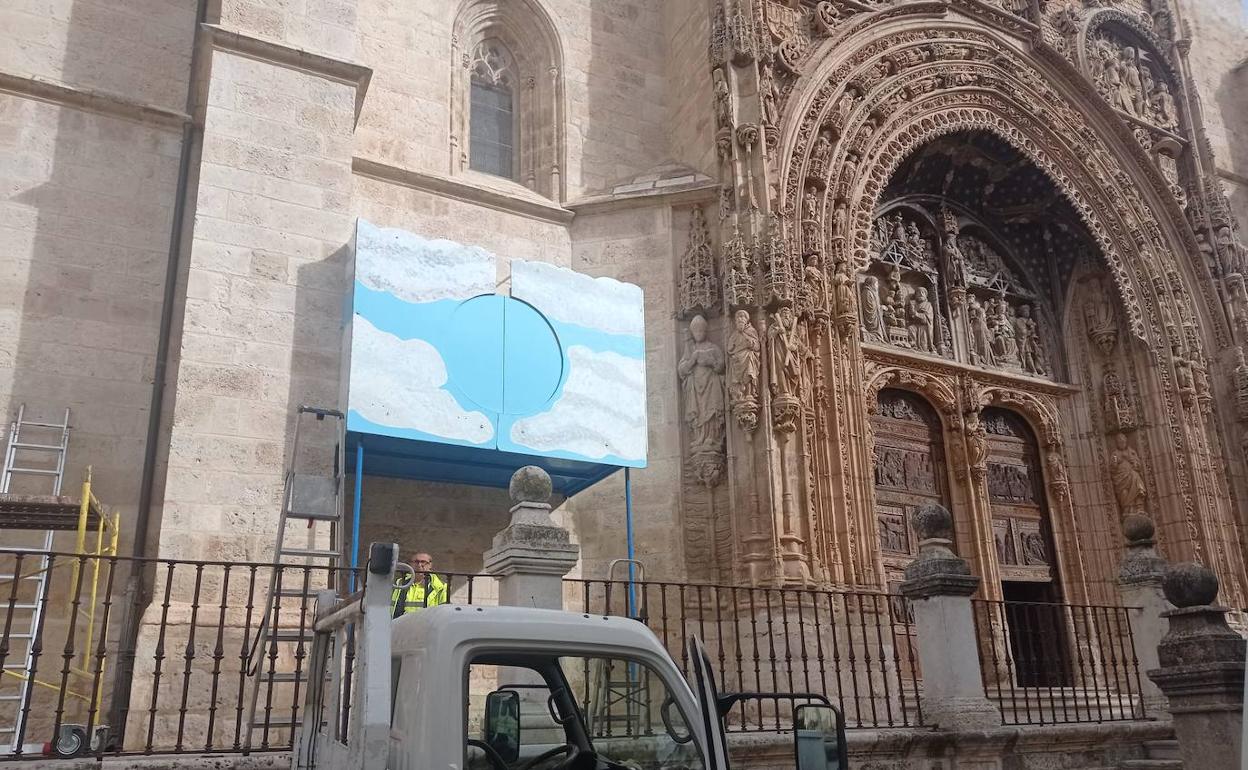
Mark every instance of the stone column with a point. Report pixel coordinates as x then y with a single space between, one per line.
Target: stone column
1201 670
531 555
939 583
1139 585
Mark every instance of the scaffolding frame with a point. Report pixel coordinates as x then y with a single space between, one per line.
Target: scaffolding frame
79 688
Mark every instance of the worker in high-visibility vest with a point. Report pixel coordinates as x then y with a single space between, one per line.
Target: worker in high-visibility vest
426 590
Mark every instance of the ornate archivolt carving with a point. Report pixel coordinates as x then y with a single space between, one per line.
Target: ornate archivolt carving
1039 411
1033 118
937 390
701 372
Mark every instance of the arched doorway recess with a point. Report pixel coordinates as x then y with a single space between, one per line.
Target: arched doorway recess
924 191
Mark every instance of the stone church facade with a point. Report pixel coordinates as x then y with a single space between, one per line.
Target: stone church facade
978 252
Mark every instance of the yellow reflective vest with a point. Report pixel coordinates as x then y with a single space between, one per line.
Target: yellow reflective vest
426 590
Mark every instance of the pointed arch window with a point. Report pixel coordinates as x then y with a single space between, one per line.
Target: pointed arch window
507 114
491 119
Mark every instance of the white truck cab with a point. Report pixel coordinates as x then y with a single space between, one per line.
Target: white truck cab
512 688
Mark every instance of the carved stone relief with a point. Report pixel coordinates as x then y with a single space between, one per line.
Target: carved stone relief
699 286
1130 81
898 293
952 282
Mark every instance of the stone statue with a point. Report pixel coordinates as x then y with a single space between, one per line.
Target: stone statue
981 338
1098 317
1004 343
1027 338
1130 88
1162 104
840 220
771 96
784 354
976 444
842 289
1111 76
921 318
723 99
822 151
816 284
871 310
1207 254
701 371
1126 473
744 350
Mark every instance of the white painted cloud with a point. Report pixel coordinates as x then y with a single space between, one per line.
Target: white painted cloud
604 304
419 269
398 383
602 410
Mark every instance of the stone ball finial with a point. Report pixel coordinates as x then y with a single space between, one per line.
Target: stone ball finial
1190 585
530 484
1138 528
933 521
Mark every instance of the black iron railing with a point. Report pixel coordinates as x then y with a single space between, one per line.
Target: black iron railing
195 663
1056 663
857 648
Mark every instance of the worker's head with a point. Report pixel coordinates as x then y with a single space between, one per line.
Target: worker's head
422 562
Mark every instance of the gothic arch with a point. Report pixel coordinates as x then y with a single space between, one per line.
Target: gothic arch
938 393
901 81
528 32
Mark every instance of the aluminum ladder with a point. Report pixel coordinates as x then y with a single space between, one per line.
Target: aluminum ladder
36 450
285 635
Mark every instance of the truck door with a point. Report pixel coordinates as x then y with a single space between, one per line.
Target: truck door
703 681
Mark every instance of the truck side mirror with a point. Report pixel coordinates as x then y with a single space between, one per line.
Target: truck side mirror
819 738
502 723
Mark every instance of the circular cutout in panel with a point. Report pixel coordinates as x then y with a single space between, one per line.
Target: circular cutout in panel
532 359
502 354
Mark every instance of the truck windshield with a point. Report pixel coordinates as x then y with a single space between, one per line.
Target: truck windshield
570 709
631 716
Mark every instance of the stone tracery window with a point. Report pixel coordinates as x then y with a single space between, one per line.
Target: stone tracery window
507 94
491 146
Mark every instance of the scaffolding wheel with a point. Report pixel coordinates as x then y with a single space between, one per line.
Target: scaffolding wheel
72 741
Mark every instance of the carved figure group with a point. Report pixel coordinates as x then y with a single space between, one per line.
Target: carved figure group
1128 82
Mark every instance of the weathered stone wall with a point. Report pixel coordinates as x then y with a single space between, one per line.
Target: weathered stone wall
638 245
89 145
613 73
260 332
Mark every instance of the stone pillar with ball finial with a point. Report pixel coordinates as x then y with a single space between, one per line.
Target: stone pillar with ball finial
532 554
939 585
1201 670
1139 584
